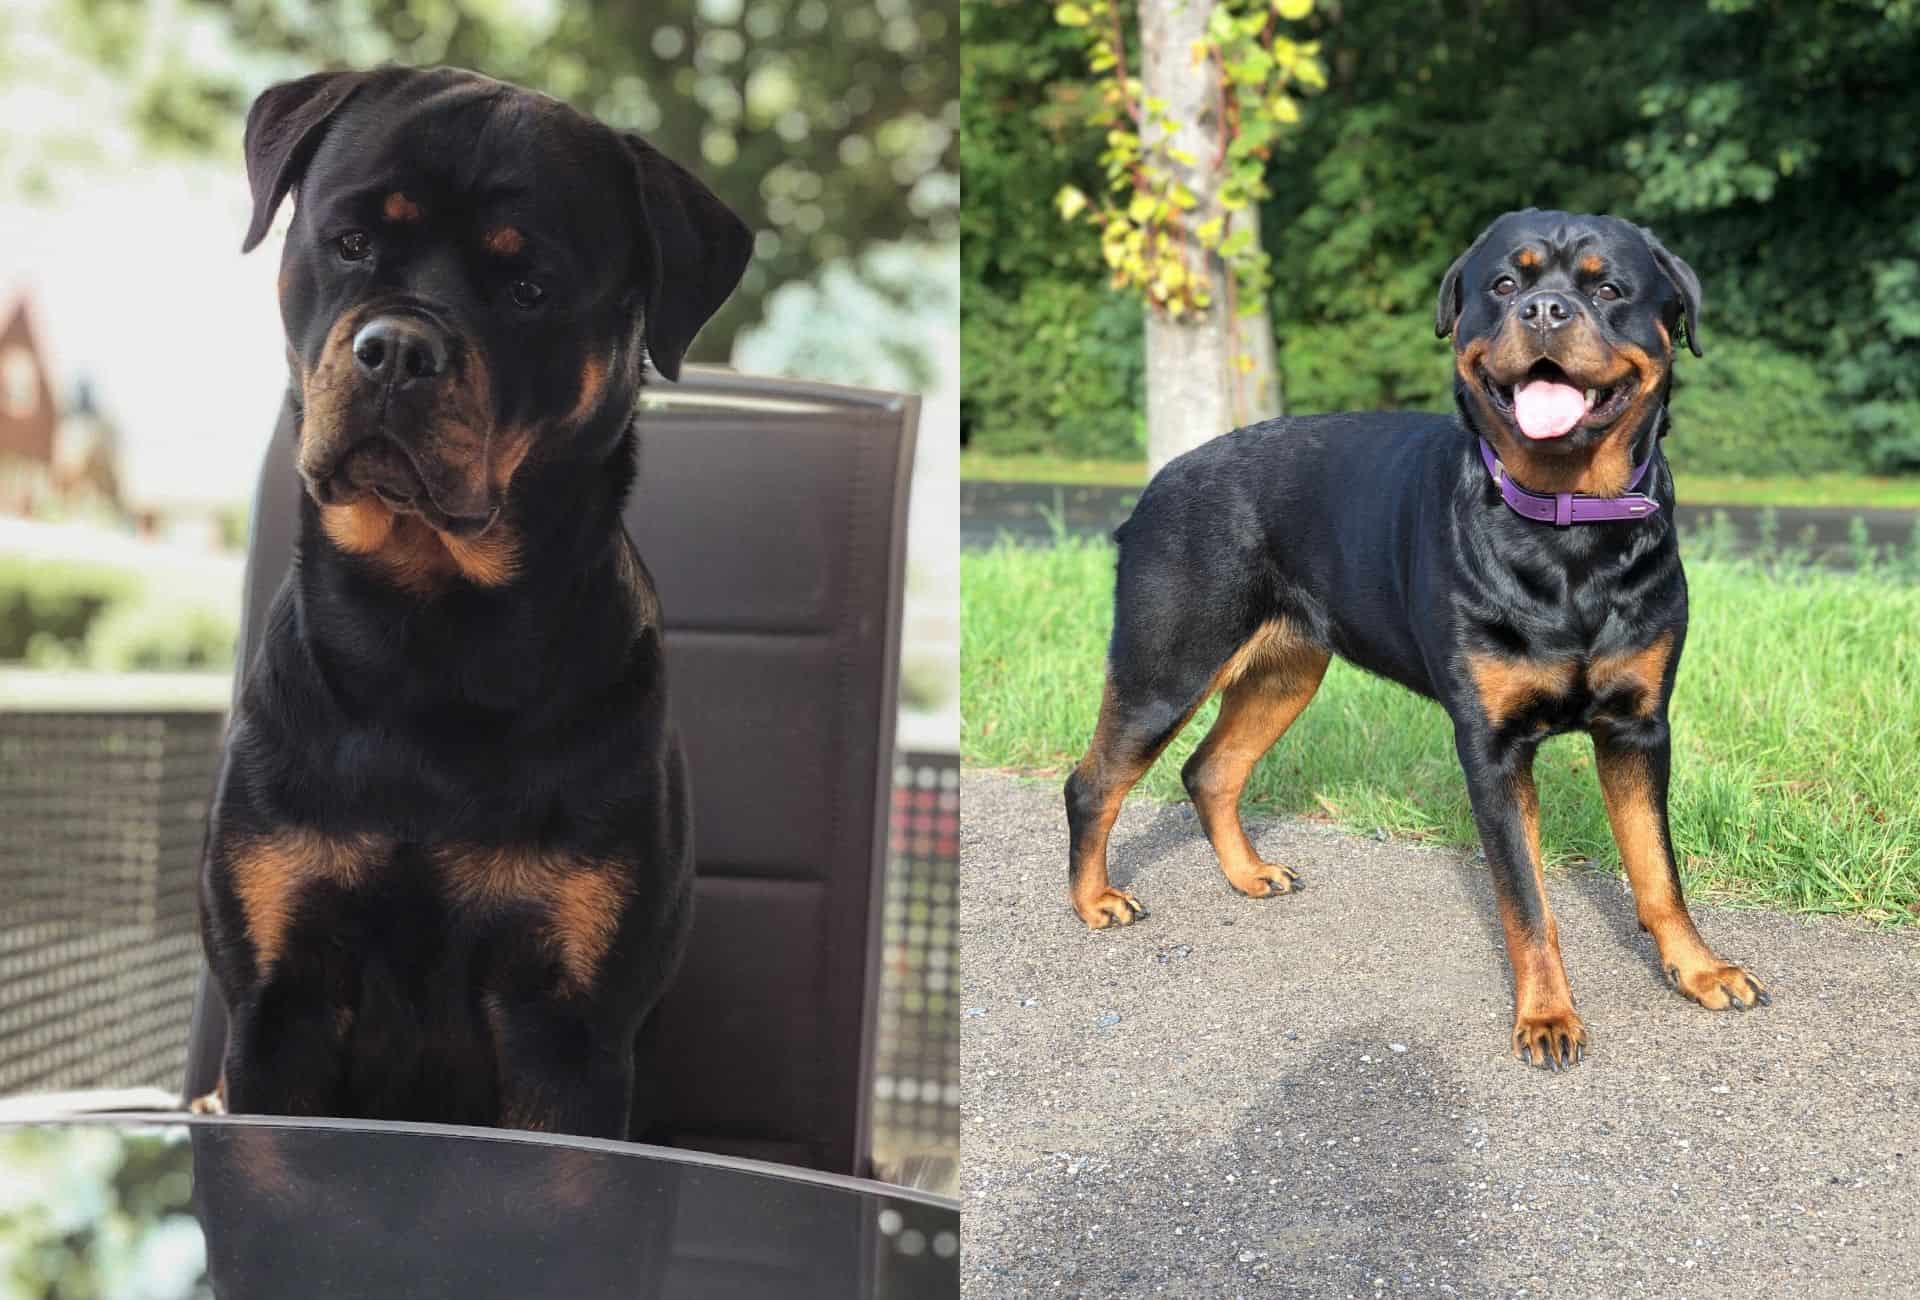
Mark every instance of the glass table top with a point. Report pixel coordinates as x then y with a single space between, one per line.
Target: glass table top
169 1206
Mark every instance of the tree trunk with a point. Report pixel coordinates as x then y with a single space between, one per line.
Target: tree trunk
1195 389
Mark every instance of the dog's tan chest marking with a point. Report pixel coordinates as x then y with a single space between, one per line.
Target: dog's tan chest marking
270 873
581 899
1509 688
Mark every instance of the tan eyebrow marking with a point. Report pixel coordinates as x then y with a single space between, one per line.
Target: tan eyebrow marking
1592 264
400 208
505 241
1527 258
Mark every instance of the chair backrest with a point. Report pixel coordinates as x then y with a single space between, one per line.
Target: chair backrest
772 514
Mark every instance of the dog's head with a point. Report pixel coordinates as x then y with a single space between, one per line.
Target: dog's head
1564 330
474 275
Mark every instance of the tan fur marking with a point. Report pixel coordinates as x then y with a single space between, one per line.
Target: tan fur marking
510 450
505 241
400 208
1527 258
412 554
593 386
1543 1012
1641 670
488 561
1592 264
1666 339
1094 898
1507 685
583 899
1691 965
1275 647
1605 469
269 874
1255 712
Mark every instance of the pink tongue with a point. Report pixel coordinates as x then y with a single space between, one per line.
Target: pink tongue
1545 409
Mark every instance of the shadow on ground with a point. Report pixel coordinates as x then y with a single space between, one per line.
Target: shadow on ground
1311 1095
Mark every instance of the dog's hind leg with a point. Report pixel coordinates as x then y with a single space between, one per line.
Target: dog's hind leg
1160 670
1129 736
1279 673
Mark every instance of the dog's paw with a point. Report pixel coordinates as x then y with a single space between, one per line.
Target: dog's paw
1265 880
1554 1039
1717 985
211 1103
1109 907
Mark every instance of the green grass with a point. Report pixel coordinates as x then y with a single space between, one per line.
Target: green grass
1834 489
1796 763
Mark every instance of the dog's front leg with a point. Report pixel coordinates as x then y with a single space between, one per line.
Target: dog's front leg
1633 759
558 1071
1506 808
285 1053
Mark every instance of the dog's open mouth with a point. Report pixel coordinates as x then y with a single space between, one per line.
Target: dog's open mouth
1547 402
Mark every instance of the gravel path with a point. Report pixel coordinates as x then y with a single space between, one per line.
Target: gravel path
1311 1095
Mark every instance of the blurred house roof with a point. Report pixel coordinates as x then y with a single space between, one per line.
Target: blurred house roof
29 413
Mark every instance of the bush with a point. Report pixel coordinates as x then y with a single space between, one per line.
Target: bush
1750 407
154 635
47 606
1378 363
1060 368
76 614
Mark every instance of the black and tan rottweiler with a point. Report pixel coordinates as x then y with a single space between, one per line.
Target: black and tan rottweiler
448 868
1517 562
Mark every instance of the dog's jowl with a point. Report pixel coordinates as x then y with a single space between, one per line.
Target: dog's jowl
449 869
1516 561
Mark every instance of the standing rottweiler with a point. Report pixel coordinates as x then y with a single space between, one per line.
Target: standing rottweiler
1519 564
449 864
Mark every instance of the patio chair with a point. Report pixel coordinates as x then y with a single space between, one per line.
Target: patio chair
772 514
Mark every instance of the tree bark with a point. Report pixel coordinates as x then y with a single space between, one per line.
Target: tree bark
1195 391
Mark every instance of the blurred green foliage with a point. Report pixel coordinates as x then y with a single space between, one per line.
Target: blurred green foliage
1775 146
75 614
829 126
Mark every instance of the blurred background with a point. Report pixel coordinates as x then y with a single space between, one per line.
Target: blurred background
1775 146
126 472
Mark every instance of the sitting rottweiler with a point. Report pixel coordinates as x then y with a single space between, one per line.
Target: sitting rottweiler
449 864
1519 564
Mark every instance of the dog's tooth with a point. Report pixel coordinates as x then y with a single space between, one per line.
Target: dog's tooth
1593 395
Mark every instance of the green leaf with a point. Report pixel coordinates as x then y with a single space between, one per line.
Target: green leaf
1293 10
1072 15
1070 201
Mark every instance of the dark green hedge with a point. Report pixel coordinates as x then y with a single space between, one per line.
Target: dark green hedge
1059 367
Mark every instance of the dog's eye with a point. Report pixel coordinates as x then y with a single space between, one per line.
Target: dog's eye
354 245
1607 292
1504 285
526 293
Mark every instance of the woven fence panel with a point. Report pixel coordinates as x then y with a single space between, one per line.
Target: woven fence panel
101 817
917 1065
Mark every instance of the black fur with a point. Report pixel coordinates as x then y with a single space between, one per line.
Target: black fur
1380 538
396 697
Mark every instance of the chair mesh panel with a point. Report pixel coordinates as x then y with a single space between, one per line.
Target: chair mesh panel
101 817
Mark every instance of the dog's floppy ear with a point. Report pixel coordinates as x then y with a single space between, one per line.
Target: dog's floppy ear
284 127
693 250
1685 283
1447 309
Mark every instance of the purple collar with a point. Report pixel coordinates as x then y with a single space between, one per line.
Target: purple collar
1566 508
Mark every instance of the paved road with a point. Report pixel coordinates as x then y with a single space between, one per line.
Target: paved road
1026 511
1309 1096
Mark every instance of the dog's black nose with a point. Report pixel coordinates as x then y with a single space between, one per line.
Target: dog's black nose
398 350
1547 309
